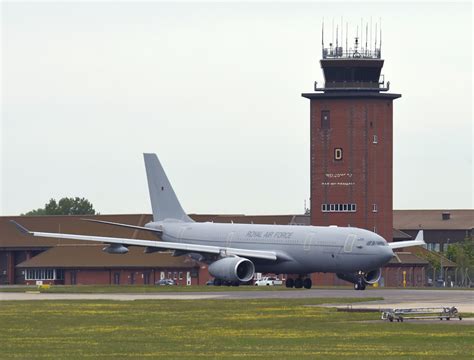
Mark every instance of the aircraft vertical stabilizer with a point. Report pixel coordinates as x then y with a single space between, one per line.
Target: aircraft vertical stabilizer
164 203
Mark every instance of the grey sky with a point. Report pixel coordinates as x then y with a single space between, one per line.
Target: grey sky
214 89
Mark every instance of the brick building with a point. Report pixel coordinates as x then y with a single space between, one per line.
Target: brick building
441 227
26 259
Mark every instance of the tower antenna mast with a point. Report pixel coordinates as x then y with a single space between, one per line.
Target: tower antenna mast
380 41
347 49
366 35
371 32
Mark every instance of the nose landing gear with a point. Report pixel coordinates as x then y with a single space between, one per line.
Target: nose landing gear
360 284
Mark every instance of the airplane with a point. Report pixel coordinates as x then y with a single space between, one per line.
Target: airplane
235 252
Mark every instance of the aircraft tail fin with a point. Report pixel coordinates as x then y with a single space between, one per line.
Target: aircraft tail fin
164 203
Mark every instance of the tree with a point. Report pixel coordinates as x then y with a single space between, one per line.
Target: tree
463 255
65 206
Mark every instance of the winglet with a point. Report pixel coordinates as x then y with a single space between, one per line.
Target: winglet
419 241
420 236
21 228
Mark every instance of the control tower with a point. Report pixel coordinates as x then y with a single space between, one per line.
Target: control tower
352 140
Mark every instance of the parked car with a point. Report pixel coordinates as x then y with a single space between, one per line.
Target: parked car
165 282
210 282
268 281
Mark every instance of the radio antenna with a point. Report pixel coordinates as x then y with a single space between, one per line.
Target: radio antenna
380 41
375 44
371 32
366 35
332 39
322 34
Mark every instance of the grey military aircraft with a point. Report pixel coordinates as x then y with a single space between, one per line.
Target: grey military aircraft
235 252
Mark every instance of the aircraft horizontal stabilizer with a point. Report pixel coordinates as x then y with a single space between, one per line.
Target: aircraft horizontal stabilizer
419 241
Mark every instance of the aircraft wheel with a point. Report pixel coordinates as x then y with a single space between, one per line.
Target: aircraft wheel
217 282
307 283
298 283
290 283
356 286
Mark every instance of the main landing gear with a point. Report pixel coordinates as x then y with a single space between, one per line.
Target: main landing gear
360 284
299 282
219 282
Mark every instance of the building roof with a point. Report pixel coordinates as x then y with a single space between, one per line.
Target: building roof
433 220
10 237
422 252
75 256
407 258
253 219
400 235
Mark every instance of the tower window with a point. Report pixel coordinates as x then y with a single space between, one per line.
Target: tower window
375 140
374 208
338 154
325 120
338 207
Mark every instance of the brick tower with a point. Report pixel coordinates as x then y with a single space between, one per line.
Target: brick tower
352 141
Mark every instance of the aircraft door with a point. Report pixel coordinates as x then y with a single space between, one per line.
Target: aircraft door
230 237
309 241
349 244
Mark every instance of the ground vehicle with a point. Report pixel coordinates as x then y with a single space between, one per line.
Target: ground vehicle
165 282
268 281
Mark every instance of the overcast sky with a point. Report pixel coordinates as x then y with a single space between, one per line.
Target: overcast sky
215 90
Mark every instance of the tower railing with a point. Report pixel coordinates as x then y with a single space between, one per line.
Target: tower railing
340 53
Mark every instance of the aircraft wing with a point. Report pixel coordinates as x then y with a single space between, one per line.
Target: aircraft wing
196 248
156 231
419 241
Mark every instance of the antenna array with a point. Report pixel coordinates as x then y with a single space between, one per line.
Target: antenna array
371 39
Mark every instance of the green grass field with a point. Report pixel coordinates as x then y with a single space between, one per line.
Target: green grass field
218 329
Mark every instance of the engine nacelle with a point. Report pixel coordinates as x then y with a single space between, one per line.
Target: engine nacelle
115 249
373 276
370 277
232 269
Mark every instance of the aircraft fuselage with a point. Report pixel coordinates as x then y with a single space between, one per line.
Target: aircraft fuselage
300 249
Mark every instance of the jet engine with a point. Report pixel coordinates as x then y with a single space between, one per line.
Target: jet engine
232 269
116 249
370 277
373 276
